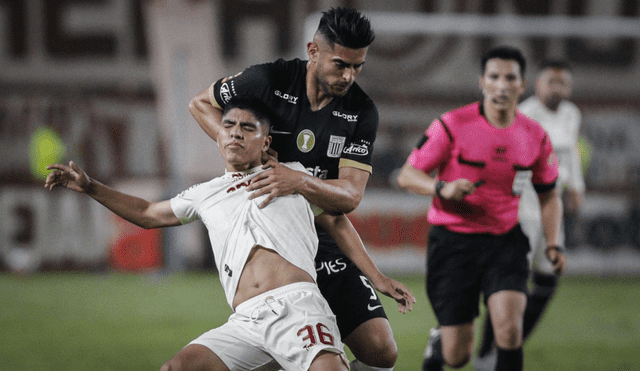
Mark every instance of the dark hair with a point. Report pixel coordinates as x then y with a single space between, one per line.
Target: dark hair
555 63
346 27
507 53
258 108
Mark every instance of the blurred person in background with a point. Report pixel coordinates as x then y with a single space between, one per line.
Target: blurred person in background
265 256
483 153
561 120
329 124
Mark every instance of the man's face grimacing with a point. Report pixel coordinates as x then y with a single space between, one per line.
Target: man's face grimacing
502 83
242 139
338 67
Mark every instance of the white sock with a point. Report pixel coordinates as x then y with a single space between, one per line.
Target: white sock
356 365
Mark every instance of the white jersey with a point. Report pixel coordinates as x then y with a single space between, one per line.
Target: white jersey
563 127
236 224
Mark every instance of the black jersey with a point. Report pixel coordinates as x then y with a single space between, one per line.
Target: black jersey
340 134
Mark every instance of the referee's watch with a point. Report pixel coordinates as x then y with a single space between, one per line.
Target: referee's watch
557 247
439 185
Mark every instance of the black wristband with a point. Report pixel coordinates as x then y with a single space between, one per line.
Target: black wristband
439 185
557 247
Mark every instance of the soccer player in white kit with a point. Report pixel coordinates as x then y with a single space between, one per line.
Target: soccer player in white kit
561 120
265 257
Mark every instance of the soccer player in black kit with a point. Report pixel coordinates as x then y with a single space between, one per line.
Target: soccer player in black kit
328 124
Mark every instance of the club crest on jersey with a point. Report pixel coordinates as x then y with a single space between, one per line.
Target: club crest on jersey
225 93
306 140
336 143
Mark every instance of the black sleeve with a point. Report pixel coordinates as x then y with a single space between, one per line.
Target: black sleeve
360 147
254 81
544 188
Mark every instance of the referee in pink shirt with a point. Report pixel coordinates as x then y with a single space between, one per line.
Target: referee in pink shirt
484 153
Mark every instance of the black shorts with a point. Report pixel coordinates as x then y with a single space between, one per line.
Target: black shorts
351 296
460 266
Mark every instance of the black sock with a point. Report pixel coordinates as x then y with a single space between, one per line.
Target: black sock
487 337
537 301
510 360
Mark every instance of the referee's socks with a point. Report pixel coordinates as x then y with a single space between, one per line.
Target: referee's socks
510 360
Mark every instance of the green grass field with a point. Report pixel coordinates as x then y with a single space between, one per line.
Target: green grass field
75 321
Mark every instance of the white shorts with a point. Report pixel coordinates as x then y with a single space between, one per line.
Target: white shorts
289 325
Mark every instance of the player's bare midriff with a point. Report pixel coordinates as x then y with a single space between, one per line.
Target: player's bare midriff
266 270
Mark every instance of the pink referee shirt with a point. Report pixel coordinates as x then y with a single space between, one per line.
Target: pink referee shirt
463 144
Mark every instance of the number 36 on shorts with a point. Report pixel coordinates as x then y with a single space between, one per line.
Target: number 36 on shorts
313 334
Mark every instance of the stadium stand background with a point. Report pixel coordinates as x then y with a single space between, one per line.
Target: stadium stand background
111 79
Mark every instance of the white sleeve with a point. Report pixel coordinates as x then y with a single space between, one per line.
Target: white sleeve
184 207
576 178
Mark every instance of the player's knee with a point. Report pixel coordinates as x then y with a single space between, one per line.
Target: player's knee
388 355
383 353
458 360
379 351
457 357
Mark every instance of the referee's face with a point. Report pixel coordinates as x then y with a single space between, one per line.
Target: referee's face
337 67
242 139
502 84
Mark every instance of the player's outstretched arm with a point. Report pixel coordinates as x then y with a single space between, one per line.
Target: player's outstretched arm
208 117
551 213
136 210
345 235
340 195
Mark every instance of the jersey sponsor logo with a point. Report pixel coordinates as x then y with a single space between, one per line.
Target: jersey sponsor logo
357 149
225 93
288 97
318 172
350 118
501 153
238 186
306 140
332 266
336 143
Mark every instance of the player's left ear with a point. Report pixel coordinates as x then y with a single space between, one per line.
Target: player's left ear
312 51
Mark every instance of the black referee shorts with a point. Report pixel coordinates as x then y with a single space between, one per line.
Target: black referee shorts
349 293
460 266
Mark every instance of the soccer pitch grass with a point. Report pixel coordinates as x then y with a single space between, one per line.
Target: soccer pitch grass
81 321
